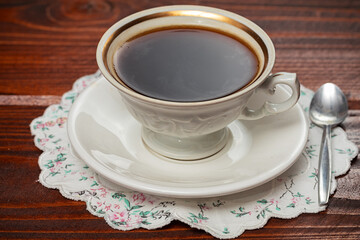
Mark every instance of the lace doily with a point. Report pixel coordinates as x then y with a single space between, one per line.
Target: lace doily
292 193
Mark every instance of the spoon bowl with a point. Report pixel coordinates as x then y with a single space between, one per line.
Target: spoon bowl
328 106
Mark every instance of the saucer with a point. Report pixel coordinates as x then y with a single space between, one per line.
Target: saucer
104 135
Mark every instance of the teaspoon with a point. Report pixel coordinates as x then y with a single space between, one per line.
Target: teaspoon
328 108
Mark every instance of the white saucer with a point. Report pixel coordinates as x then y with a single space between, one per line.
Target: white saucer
108 139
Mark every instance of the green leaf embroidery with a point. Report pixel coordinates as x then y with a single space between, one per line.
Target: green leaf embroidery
83 178
54 173
310 151
298 195
347 151
308 201
94 184
241 213
101 211
144 214
135 207
60 157
263 201
261 214
49 164
195 218
127 204
291 205
118 195
71 96
118 223
145 222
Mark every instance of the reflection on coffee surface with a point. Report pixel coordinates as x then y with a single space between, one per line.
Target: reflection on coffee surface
185 65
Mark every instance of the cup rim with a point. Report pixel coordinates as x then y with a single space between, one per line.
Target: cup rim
184 10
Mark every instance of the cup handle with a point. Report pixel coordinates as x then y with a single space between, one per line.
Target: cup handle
269 87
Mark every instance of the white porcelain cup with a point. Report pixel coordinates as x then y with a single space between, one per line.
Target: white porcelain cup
195 130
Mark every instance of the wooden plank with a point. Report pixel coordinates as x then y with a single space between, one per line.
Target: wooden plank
29 100
303 227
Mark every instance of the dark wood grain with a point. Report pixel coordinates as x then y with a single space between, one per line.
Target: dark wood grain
46 45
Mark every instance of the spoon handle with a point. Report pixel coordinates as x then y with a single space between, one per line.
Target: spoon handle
325 166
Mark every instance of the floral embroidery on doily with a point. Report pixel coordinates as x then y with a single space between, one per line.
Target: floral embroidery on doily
292 193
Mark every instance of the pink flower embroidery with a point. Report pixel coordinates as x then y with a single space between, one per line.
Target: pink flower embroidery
123 216
118 216
139 198
102 190
43 141
138 219
49 124
113 216
108 207
61 121
60 149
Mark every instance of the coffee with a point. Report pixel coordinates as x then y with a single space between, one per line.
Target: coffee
185 65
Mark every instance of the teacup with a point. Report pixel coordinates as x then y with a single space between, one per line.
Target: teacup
192 130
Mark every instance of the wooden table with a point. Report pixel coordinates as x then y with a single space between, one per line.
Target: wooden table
46 45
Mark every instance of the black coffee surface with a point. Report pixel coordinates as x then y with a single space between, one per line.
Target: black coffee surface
185 65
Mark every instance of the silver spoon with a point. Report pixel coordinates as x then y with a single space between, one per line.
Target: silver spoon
328 108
